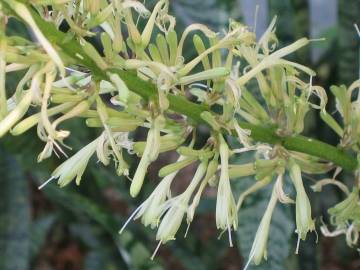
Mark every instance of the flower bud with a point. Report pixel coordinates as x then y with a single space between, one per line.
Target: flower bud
132 29
188 151
237 170
32 120
80 108
216 55
172 41
151 153
265 167
100 17
148 30
154 53
210 74
62 98
121 124
200 48
21 108
16 114
163 49
168 169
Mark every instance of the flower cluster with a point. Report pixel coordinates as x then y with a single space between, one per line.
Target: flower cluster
141 79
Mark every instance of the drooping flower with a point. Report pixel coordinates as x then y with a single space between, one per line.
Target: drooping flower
74 167
304 222
177 207
259 247
226 212
24 13
151 209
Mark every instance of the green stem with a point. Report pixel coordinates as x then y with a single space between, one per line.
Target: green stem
192 110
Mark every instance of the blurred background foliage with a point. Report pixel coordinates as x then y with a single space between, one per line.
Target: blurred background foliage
77 227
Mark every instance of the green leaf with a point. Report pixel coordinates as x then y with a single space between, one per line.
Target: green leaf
133 252
39 230
348 63
14 215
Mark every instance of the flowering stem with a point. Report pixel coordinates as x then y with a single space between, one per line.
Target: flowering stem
192 110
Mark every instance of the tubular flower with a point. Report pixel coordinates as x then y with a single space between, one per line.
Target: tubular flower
176 208
226 212
74 167
304 222
152 208
259 247
344 216
237 85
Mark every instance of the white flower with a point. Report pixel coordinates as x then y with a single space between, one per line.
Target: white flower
177 207
304 222
210 173
152 208
74 166
226 212
171 221
259 246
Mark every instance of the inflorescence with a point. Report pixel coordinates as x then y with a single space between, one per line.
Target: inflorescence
142 68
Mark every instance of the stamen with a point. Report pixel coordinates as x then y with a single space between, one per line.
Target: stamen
297 245
317 236
130 218
128 176
220 235
249 260
310 87
187 229
156 250
357 29
56 153
46 182
229 233
59 148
